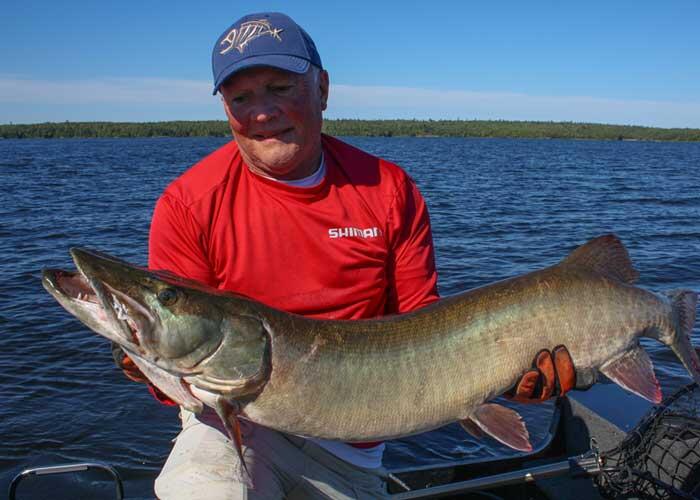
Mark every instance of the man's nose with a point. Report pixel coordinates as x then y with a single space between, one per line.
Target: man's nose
265 112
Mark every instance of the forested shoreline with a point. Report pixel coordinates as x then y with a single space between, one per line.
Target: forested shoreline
368 128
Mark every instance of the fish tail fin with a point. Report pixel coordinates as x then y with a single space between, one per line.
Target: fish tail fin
683 304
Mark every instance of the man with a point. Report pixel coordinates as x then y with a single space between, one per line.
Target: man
302 222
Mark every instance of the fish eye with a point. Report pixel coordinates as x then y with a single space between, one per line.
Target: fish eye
167 296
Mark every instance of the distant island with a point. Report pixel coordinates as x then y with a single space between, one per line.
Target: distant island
367 128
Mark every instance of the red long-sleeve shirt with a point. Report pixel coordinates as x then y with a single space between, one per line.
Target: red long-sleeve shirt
358 245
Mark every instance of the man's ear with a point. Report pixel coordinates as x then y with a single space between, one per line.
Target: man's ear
229 116
324 87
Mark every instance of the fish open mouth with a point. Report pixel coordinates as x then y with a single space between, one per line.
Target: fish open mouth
131 317
75 286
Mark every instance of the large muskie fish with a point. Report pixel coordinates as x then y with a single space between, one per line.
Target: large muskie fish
382 378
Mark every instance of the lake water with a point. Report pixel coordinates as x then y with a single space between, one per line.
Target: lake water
499 207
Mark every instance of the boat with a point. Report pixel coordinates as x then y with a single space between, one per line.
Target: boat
601 443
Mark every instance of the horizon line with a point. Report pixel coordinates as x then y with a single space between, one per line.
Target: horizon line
457 120
129 99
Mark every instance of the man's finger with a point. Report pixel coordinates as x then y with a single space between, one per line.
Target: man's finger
131 370
528 384
123 361
566 373
524 391
545 364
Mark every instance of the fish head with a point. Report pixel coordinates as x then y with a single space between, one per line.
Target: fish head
152 316
181 326
72 290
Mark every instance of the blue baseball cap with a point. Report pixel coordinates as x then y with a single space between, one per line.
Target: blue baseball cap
265 39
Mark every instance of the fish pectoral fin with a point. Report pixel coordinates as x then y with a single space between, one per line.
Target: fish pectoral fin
635 372
501 423
228 413
472 428
605 255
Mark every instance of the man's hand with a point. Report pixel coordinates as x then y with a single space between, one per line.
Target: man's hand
552 374
132 372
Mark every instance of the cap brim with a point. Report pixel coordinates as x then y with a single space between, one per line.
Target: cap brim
288 63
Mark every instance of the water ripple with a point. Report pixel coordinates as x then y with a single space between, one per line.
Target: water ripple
499 207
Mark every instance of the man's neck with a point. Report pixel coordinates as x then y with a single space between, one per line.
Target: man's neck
303 170
309 181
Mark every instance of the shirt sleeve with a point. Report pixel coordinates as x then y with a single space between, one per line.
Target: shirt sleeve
412 273
177 243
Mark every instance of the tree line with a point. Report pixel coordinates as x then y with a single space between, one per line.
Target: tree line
371 128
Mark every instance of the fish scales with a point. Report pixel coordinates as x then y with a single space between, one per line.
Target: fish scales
361 368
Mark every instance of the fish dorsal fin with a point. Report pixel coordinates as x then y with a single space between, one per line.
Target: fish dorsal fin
605 255
501 423
634 371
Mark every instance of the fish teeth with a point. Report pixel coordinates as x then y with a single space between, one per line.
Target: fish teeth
119 309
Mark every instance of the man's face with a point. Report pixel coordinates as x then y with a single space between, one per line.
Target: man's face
275 117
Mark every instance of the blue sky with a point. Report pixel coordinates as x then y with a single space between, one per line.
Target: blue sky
597 61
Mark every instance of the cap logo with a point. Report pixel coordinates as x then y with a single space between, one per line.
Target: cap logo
239 38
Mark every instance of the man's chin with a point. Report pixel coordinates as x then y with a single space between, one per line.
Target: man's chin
287 136
278 167
275 158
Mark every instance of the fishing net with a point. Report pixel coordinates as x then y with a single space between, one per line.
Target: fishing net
660 458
